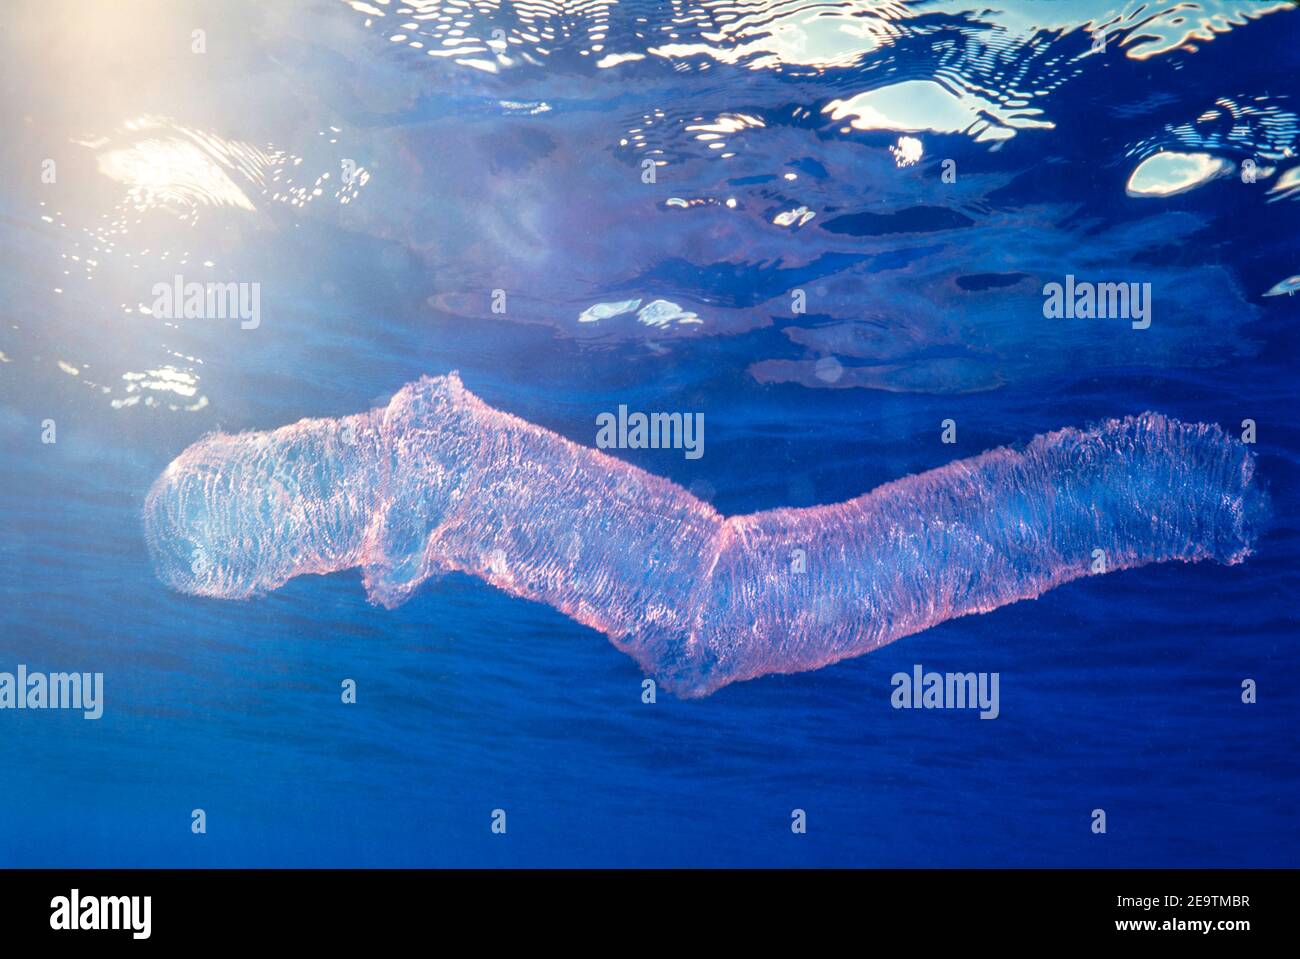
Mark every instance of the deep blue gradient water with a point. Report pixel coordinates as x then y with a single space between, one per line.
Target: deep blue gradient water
518 163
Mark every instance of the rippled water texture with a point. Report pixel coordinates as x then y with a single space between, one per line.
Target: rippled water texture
796 150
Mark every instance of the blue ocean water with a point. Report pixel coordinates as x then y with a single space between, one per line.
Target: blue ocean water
464 149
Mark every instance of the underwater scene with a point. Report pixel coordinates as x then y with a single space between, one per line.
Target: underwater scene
660 433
